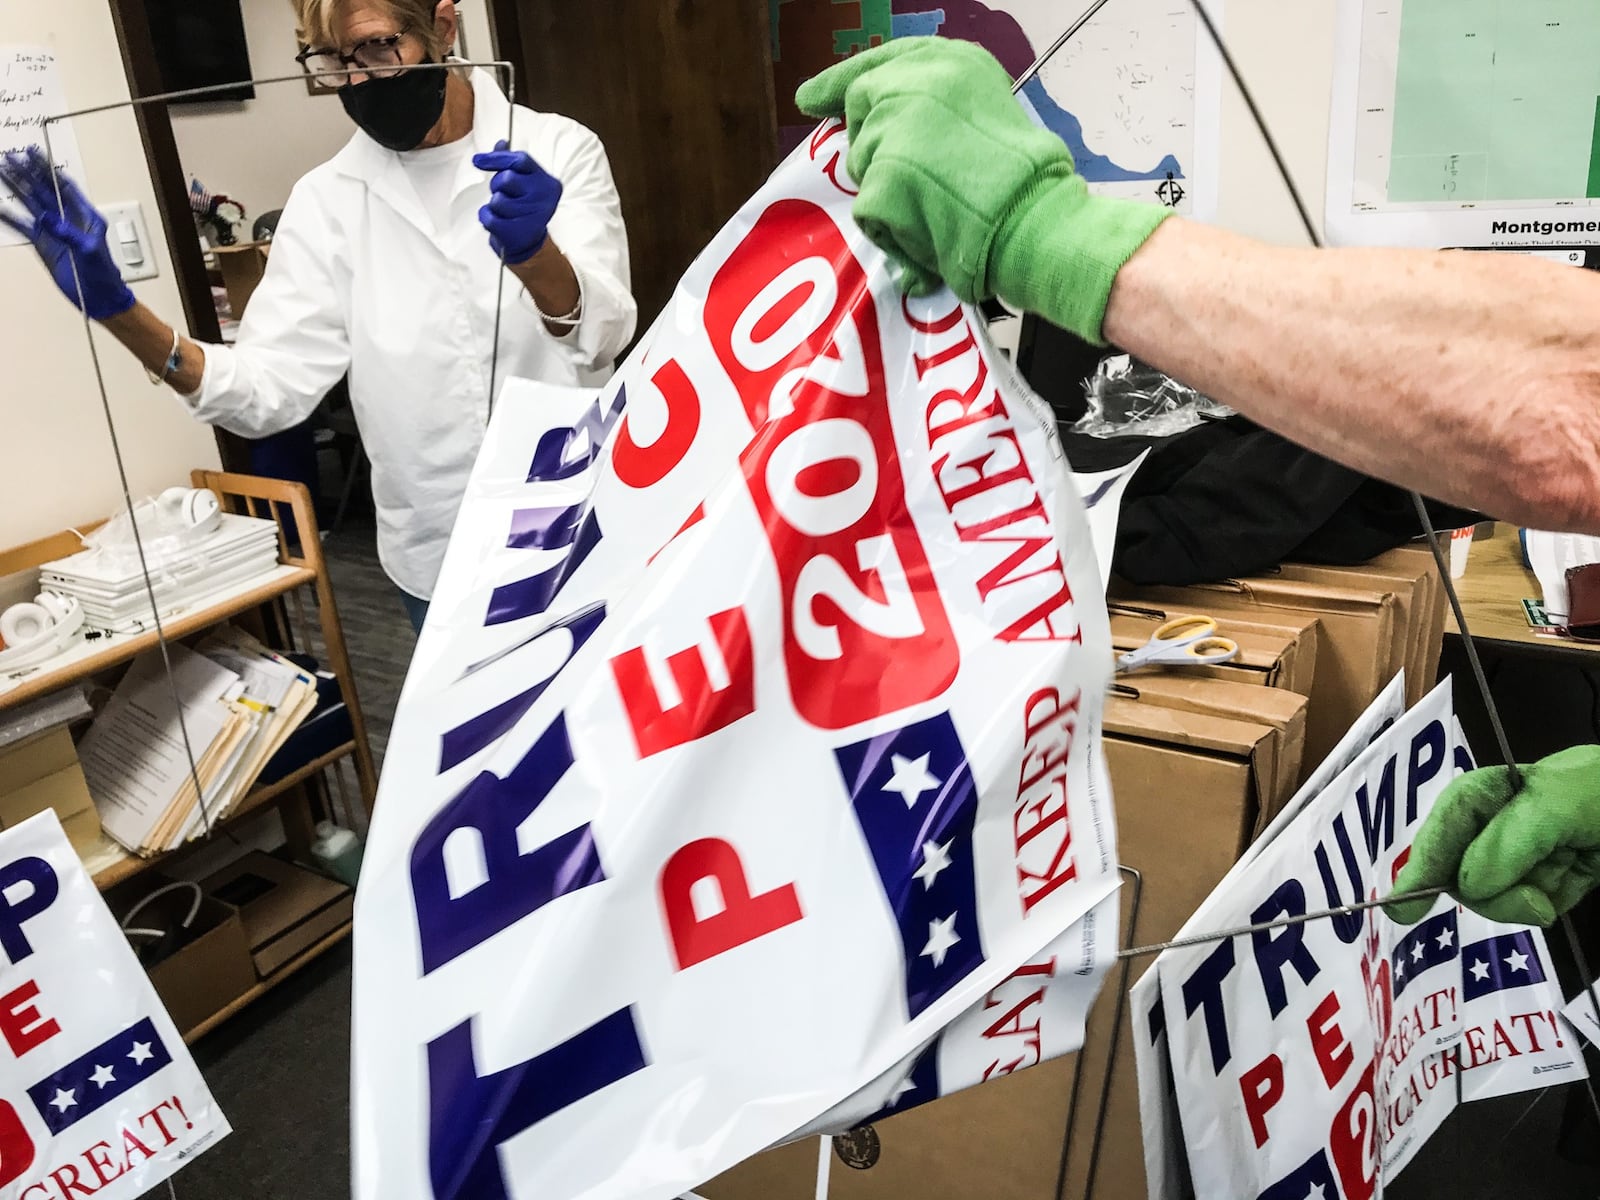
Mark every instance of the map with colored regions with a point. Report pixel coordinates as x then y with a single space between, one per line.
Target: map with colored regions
1121 93
1478 102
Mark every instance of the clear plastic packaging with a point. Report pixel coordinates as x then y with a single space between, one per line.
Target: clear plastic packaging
171 531
1127 396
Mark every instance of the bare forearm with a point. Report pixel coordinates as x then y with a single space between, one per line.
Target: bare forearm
551 282
149 338
1473 378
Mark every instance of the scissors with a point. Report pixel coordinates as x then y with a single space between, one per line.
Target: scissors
1181 642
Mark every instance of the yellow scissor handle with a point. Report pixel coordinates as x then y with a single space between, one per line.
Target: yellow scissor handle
1183 629
1212 649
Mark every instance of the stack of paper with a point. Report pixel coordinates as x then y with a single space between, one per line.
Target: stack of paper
109 582
168 758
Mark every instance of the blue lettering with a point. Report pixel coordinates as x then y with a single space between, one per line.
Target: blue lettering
1284 947
1203 990
470 737
544 528
1377 821
470 1115
469 877
1346 925
1427 760
1158 1020
534 595
43 887
563 453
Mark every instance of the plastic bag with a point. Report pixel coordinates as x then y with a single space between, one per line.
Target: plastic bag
172 542
751 741
1128 397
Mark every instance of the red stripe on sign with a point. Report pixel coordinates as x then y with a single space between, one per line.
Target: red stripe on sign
792 321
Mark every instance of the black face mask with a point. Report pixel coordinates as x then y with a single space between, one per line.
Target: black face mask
396 112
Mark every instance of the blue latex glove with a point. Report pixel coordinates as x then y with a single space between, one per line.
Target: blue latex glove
523 197
61 233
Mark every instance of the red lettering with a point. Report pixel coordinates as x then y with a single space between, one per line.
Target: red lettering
1011 1025
130 1143
16 1147
1049 727
1026 547
1475 1044
979 531
32 1188
1042 615
155 1115
942 324
1353 1141
20 1023
741 918
703 704
825 134
643 466
867 632
1333 1052
1039 761
1399 864
1033 818
1502 1038
1527 1026
948 355
67 1182
1434 998
100 1168
1054 875
967 411
986 481
1262 1086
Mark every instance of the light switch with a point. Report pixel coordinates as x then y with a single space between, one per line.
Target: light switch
129 238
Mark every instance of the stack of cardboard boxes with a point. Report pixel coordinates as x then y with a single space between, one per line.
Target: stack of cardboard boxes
1200 761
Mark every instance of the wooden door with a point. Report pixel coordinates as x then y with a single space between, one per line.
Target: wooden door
680 92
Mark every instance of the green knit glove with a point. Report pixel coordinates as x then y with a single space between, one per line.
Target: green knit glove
958 184
1523 858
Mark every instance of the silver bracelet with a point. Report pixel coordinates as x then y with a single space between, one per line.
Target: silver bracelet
174 360
571 318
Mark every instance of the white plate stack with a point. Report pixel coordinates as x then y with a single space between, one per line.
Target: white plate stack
111 587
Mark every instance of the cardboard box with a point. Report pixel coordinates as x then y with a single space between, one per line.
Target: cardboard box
242 267
285 908
1000 1141
1187 783
42 772
1221 717
1355 646
1415 593
1412 572
211 970
1280 655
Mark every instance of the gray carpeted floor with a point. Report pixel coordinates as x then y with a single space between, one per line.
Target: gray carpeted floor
280 1070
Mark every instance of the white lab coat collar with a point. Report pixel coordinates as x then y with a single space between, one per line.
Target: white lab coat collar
381 170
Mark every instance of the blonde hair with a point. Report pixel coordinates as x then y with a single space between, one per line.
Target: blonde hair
316 22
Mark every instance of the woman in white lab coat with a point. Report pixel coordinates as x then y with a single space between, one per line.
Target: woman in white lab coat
385 266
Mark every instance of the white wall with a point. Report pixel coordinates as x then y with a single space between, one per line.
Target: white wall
56 466
255 150
1284 49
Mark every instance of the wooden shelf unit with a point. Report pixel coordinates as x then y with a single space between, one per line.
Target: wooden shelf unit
261 602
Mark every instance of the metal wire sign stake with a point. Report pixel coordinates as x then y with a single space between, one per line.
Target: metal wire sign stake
1441 562
162 642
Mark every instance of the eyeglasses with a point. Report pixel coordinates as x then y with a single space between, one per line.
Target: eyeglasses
378 57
